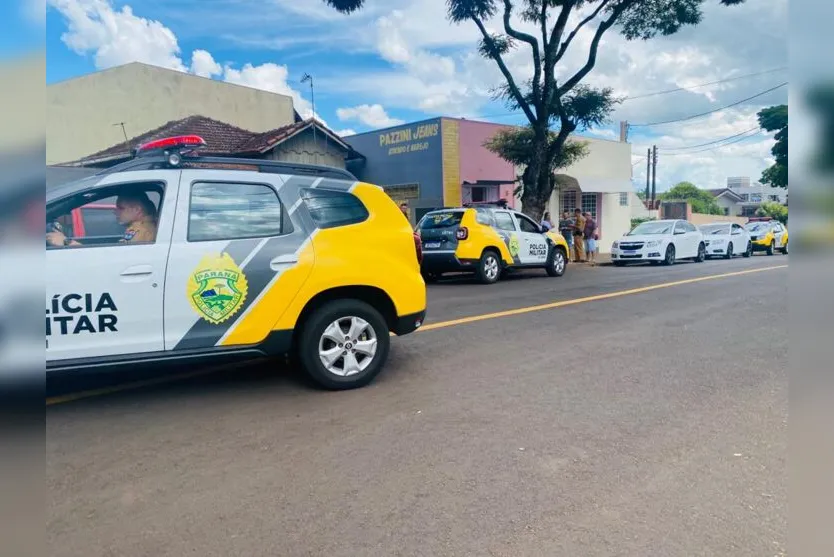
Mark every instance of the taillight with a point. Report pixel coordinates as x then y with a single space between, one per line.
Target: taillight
462 233
418 245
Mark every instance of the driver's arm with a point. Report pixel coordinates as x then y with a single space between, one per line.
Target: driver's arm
58 240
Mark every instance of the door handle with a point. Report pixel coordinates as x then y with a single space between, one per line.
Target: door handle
282 261
137 270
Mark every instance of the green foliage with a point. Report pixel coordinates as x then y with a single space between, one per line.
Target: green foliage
514 145
701 201
774 210
775 118
345 6
639 220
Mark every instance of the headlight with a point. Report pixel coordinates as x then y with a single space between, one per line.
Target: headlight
615 245
653 243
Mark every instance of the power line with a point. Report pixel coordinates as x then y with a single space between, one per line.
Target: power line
711 111
710 148
703 84
711 142
664 92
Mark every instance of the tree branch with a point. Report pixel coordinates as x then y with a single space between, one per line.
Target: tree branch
550 49
534 45
592 54
522 102
566 43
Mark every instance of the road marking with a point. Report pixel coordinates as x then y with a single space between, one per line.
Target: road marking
429 327
563 303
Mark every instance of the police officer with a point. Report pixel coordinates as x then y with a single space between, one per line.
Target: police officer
133 210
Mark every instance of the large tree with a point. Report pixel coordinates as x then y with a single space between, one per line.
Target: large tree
775 118
701 201
557 105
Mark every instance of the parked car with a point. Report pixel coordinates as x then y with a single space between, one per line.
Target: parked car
768 236
279 258
660 241
726 239
487 241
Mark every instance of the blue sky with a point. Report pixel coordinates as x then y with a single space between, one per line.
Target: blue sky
400 60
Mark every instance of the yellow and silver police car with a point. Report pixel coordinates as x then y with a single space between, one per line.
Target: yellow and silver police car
768 235
230 258
486 240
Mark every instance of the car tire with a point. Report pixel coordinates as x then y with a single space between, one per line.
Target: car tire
749 251
669 259
315 342
785 249
489 267
557 262
702 253
729 254
771 248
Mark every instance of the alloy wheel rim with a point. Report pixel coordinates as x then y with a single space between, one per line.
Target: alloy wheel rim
348 346
558 262
491 267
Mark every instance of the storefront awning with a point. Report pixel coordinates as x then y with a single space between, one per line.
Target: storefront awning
603 185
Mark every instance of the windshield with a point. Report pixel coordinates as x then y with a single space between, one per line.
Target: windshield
757 226
441 220
652 228
715 229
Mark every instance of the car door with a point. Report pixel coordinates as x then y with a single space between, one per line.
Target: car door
238 241
105 298
694 236
738 236
683 242
507 227
779 235
533 242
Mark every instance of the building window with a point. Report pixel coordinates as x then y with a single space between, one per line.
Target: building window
568 201
726 211
755 198
774 198
748 211
745 197
479 195
589 204
623 199
225 211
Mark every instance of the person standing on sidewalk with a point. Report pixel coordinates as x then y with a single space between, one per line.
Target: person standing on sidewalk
578 232
546 223
589 233
566 230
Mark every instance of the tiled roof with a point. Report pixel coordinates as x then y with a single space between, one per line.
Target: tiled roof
221 138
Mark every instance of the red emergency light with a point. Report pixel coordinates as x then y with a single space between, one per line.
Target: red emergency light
176 142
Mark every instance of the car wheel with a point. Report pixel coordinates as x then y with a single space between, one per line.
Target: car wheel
785 249
556 263
670 255
749 251
702 253
344 344
489 268
430 277
770 248
729 254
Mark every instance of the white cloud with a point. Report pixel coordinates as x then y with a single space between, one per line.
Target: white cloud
35 11
346 132
203 64
372 115
116 37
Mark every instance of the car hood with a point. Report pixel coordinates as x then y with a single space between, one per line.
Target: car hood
643 238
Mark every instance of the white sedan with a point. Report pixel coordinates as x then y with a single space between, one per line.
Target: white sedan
725 239
659 241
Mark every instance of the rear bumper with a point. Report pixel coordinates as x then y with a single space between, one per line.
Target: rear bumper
409 323
446 262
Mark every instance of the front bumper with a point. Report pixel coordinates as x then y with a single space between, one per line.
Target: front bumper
642 254
409 323
761 245
446 262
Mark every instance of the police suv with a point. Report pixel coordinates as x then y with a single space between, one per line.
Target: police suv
222 258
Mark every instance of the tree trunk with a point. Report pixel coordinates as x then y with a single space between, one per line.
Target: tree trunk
536 179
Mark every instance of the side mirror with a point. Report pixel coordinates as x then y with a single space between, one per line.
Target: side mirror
680 231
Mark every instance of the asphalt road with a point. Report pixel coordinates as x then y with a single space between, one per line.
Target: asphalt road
644 423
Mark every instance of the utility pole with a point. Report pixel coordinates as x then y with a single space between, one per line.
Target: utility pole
305 78
648 173
654 174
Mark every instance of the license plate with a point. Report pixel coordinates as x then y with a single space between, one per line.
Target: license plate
432 245
630 251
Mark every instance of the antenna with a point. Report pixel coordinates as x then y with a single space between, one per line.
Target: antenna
304 79
127 141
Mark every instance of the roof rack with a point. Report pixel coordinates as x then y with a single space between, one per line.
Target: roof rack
178 152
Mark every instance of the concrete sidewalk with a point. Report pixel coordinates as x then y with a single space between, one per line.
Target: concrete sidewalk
601 260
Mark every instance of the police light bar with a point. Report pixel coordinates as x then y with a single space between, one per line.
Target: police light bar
172 147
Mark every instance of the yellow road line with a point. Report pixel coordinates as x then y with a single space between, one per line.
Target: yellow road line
552 305
429 327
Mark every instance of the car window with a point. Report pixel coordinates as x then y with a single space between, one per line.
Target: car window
440 219
680 227
504 221
329 209
228 211
484 217
526 224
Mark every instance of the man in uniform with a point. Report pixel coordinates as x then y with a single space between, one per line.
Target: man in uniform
578 233
133 210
